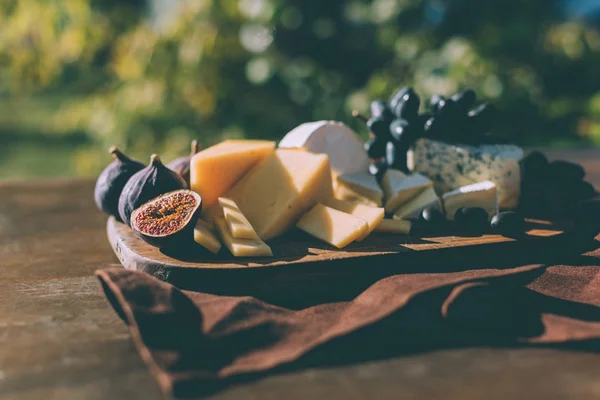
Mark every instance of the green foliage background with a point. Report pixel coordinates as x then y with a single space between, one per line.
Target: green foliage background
79 75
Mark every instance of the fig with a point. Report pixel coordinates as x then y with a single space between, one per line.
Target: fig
152 181
181 165
112 180
168 219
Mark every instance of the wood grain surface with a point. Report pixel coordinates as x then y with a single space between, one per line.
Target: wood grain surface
59 338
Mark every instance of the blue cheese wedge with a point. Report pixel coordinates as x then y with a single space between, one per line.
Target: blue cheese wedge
399 188
451 166
427 198
343 146
481 194
360 187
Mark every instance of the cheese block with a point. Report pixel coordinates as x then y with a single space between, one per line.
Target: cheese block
238 224
216 169
360 187
279 190
451 166
399 188
372 215
337 228
427 198
400 226
345 149
481 194
204 236
241 247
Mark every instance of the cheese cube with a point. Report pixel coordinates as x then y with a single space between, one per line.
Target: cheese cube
427 198
372 215
239 226
216 169
360 187
337 228
241 247
345 149
399 188
481 194
400 226
278 191
204 236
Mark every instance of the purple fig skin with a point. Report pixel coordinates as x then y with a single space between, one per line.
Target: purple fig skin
181 165
112 180
184 237
150 182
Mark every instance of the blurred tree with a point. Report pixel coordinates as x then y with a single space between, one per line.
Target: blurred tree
150 79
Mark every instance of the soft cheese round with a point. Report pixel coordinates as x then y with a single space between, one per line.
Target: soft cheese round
343 146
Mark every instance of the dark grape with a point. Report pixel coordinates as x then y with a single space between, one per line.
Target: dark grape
473 219
534 167
378 169
379 127
508 223
408 106
390 154
375 148
465 99
488 138
566 170
399 128
482 117
380 110
434 128
435 100
449 111
432 216
397 97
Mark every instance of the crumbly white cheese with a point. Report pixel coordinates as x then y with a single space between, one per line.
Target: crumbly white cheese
451 166
481 194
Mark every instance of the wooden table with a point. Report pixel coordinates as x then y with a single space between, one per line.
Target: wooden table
59 338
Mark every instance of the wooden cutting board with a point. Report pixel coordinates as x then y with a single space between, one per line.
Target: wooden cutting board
297 257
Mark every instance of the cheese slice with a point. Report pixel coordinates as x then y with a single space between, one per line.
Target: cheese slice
337 228
361 187
241 247
239 226
400 226
481 194
279 190
425 199
216 169
204 236
345 149
372 215
399 188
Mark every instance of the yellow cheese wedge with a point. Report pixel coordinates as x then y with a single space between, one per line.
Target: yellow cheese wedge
428 198
372 215
239 226
399 188
360 187
279 190
400 226
337 228
204 236
241 247
216 169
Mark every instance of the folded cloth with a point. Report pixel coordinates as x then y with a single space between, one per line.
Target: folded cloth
196 342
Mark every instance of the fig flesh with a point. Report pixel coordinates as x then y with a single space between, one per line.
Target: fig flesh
169 219
150 182
112 180
181 165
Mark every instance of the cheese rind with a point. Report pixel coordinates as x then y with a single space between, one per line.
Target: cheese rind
345 149
481 194
241 247
360 187
427 198
400 226
204 236
216 169
238 224
399 188
278 191
335 227
372 215
451 166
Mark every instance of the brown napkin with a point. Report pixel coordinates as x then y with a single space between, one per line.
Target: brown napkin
195 342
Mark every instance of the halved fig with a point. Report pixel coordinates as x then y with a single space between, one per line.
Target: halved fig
169 219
